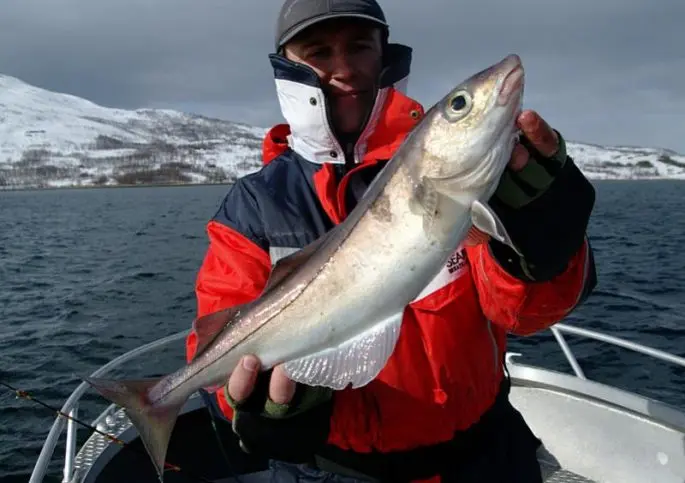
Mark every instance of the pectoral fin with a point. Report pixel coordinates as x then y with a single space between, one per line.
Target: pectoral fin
426 202
488 222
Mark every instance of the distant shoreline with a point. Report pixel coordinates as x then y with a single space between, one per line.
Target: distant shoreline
190 185
126 186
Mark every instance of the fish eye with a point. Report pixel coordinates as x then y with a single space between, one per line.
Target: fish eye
458 105
458 102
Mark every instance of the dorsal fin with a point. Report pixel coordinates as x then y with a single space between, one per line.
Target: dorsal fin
290 263
208 327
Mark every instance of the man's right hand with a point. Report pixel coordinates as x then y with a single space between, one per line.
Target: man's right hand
276 417
244 377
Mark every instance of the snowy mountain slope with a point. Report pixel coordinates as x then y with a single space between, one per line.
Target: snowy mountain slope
50 139
622 162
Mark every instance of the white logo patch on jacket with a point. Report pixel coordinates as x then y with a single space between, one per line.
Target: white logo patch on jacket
453 269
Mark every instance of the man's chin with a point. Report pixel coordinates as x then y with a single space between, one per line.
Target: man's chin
351 121
347 127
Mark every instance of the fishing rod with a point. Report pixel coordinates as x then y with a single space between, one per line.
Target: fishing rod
169 466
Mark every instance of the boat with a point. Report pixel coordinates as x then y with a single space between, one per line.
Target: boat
591 431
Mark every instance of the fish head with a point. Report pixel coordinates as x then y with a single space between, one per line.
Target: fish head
466 139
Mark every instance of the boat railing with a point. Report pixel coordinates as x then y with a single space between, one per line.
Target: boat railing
70 407
559 328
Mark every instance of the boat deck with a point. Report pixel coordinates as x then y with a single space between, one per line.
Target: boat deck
591 432
116 423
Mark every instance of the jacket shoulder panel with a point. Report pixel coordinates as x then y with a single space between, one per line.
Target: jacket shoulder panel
276 206
240 211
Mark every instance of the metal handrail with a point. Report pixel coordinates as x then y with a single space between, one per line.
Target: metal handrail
70 406
568 352
559 327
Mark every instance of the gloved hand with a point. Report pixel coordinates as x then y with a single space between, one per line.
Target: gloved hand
544 202
275 417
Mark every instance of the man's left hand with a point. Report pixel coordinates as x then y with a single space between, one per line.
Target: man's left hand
541 136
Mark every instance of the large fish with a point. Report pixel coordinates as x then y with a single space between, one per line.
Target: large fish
332 311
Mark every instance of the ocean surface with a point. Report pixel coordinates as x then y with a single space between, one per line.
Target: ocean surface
86 275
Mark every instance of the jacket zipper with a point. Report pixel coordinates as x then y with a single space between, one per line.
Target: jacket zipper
495 349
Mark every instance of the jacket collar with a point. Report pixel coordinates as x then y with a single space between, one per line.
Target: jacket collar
308 129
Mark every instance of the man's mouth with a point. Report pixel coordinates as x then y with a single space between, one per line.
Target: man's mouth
342 95
347 92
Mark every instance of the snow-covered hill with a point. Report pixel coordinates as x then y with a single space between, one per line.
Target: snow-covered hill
50 139
627 162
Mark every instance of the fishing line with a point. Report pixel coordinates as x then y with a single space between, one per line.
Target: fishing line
29 397
213 417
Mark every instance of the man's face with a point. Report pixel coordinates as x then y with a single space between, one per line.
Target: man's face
347 56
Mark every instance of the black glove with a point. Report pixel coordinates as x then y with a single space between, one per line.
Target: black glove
288 432
545 207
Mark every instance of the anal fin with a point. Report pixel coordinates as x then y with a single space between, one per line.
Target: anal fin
356 361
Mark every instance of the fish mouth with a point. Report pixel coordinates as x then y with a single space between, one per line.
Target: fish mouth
513 81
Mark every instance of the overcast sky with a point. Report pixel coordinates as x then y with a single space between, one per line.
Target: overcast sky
601 71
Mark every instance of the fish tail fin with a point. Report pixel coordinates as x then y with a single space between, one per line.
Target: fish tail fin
153 422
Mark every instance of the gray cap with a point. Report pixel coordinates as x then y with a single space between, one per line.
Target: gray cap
297 15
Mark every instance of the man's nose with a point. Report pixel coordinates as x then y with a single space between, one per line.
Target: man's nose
342 66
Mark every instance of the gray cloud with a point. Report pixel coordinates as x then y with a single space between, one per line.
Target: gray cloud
606 71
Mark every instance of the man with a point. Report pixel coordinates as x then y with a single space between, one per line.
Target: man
439 409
